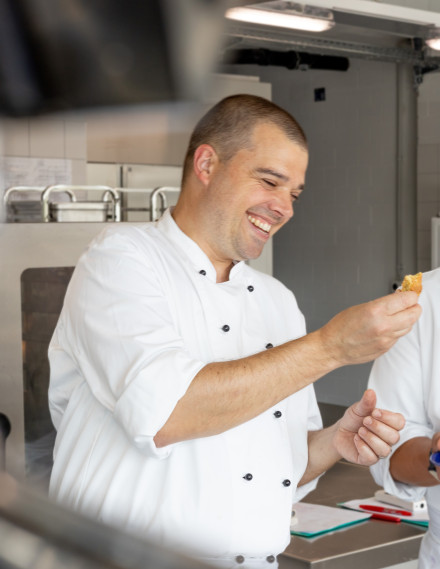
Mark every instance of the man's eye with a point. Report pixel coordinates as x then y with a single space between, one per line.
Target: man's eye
295 198
270 183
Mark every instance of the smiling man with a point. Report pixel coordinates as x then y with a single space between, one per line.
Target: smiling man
181 378
243 200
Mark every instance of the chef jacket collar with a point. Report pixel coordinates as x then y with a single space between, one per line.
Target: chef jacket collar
190 249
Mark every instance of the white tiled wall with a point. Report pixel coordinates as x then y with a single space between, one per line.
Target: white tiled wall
340 248
48 138
428 165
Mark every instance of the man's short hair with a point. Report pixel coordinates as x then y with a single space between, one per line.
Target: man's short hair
228 126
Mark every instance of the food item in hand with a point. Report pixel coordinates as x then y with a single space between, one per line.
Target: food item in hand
413 282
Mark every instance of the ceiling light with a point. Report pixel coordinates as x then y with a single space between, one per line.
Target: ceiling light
433 39
284 14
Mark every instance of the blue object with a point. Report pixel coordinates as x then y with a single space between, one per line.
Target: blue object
434 458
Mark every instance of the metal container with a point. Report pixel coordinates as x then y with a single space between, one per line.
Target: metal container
108 208
80 211
23 204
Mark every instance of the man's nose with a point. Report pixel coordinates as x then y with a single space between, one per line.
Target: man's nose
282 204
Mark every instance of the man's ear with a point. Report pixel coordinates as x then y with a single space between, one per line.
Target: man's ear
205 161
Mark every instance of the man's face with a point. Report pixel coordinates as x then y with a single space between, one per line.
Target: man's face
251 197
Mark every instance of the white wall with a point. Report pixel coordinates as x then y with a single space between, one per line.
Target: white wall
48 138
158 134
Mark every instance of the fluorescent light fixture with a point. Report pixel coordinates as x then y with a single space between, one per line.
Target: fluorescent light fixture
284 14
433 39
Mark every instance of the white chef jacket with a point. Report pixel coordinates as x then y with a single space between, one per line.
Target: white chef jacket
407 380
142 315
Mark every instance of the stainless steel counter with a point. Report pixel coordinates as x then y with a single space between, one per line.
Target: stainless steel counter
373 544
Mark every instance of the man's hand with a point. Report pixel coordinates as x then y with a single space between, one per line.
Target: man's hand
365 434
364 332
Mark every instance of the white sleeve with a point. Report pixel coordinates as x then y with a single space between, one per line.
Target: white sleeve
396 378
314 423
117 327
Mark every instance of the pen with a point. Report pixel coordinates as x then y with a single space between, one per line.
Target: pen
385 518
383 510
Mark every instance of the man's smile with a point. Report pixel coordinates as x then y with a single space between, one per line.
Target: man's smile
263 225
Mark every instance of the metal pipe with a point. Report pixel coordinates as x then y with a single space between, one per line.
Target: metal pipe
155 212
290 59
13 189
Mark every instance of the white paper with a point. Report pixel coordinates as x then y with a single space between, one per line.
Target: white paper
413 518
313 518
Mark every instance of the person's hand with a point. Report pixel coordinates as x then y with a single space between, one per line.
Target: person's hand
364 332
365 434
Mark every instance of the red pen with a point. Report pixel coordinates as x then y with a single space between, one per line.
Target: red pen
385 518
383 510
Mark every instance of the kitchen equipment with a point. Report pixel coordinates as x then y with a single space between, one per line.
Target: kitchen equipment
34 204
108 208
23 203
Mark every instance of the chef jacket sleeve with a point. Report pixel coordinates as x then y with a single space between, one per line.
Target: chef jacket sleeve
298 440
397 379
118 328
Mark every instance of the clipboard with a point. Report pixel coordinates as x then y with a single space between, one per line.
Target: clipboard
311 520
420 518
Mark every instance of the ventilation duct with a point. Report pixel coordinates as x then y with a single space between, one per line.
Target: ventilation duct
290 59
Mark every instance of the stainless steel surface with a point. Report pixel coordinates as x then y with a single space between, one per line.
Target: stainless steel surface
30 209
26 208
79 211
155 210
141 204
13 189
373 544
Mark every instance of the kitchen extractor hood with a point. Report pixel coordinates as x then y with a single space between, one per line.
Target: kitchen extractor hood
362 28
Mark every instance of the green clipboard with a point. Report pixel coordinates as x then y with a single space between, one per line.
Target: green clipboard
311 520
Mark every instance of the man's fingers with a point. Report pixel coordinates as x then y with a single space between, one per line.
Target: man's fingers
364 332
388 418
366 456
376 444
405 320
381 430
397 302
401 310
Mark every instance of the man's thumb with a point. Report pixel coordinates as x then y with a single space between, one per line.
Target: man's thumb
367 403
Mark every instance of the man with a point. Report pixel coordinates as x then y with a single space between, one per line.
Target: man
407 379
181 382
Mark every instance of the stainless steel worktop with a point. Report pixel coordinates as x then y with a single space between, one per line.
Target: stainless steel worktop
373 544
